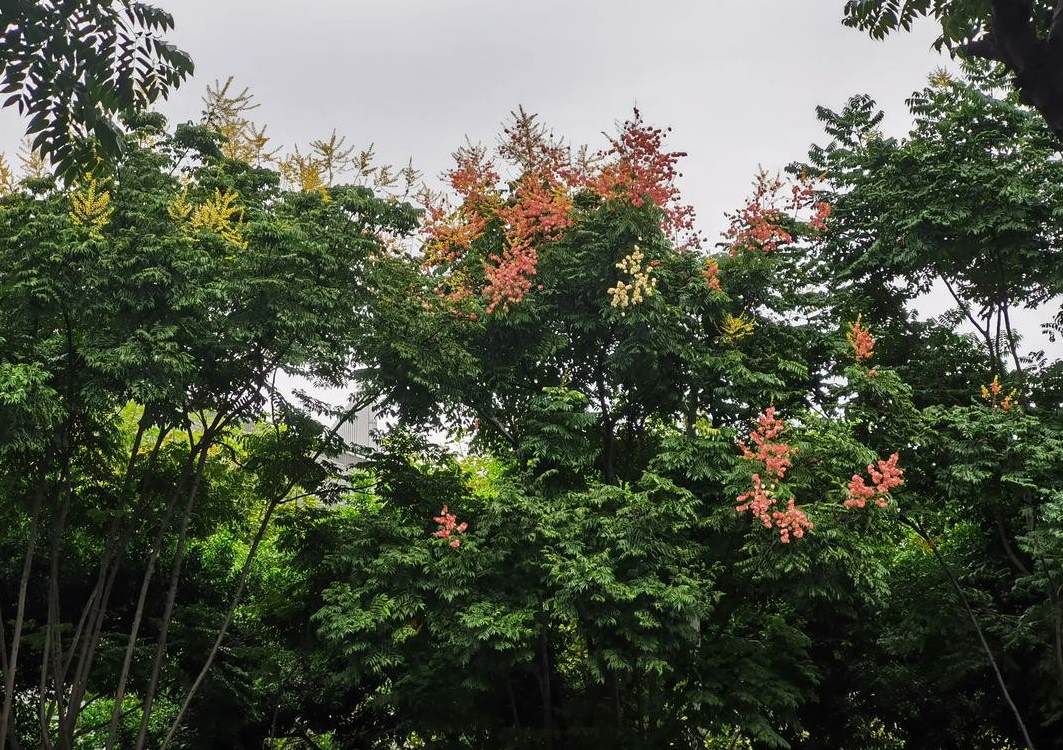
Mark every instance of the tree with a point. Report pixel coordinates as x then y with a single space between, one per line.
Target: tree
600 366
966 201
145 319
1026 36
72 67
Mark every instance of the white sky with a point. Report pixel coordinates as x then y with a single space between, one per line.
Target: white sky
737 80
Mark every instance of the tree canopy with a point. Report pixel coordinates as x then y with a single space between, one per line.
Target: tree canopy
73 67
633 488
1023 35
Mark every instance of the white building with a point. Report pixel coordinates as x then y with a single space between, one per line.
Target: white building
358 434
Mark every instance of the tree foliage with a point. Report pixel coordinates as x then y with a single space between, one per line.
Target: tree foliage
73 67
634 491
1022 35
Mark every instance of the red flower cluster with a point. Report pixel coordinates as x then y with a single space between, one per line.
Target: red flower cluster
638 169
775 457
449 527
884 477
861 341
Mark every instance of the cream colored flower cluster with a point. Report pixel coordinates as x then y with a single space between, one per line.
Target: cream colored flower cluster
641 285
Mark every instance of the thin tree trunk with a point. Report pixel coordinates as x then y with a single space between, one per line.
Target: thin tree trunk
3 669
1013 345
234 602
145 585
545 688
20 613
43 713
246 569
51 631
512 703
974 621
167 615
79 685
115 542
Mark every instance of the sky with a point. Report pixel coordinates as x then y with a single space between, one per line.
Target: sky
736 80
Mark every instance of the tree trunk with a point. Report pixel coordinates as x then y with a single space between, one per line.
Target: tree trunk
216 646
20 613
974 621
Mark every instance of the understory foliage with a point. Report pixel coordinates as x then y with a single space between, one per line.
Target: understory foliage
638 489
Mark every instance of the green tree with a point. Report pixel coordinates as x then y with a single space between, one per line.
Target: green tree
1023 35
605 591
73 67
185 297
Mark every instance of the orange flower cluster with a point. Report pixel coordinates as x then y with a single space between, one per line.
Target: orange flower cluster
541 210
760 225
884 478
991 395
775 458
449 528
451 233
757 226
537 207
711 272
861 341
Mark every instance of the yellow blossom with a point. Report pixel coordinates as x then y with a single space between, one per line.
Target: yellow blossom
640 286
7 177
220 214
734 329
90 205
306 173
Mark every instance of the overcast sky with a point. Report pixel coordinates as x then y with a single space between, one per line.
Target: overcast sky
737 80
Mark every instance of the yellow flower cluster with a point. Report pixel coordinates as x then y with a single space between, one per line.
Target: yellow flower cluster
734 329
307 173
641 285
220 214
7 177
90 206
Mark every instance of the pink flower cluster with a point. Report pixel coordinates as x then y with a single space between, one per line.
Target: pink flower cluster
775 457
791 522
757 501
884 477
449 528
758 226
